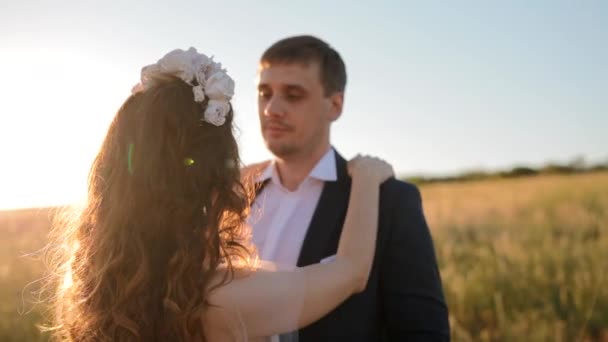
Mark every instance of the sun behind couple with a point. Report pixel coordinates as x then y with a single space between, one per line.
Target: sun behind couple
157 251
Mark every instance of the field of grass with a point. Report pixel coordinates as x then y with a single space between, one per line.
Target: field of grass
521 259
22 233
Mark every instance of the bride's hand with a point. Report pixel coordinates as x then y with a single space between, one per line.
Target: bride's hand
370 169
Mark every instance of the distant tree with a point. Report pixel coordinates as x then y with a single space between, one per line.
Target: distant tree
519 171
554 168
599 167
416 179
578 163
473 175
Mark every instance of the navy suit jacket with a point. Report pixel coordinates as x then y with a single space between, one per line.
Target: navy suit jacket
404 299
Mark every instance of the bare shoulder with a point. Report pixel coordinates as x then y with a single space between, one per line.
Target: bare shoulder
222 285
222 317
232 288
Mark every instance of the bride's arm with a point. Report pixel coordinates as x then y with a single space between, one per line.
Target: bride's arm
273 302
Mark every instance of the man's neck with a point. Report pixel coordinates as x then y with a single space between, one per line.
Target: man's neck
293 171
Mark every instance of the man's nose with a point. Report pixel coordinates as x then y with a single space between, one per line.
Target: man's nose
274 107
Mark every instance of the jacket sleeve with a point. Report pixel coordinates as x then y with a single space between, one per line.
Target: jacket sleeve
412 302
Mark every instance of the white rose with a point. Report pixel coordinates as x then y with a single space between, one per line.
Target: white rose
148 72
201 64
179 63
219 86
137 88
216 112
198 59
214 67
199 94
201 77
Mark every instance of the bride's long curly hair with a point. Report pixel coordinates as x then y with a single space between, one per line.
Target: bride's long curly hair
165 208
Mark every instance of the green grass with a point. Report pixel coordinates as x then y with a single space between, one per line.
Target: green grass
524 259
521 259
23 232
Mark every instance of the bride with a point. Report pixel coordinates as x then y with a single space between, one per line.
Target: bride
160 250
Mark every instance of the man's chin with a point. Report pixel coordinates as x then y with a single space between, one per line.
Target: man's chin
282 151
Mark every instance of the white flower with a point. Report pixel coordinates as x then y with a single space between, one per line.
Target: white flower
219 86
200 60
179 63
214 67
207 78
216 112
148 72
199 94
201 63
137 88
201 77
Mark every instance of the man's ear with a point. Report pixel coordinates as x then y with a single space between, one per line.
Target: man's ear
336 102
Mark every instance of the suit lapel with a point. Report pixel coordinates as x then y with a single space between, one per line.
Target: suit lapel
325 227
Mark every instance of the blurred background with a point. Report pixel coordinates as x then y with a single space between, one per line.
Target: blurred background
498 111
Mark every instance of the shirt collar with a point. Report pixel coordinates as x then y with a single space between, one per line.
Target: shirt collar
324 170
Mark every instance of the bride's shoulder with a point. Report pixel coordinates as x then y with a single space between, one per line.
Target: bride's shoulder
225 275
231 283
222 317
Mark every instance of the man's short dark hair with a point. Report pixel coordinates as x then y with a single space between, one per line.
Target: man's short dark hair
306 50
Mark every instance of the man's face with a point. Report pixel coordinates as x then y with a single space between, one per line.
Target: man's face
295 114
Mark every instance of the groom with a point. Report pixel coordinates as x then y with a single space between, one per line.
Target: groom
300 208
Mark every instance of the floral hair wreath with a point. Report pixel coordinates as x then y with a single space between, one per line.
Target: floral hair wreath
207 78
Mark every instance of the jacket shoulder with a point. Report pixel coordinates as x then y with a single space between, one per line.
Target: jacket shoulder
399 190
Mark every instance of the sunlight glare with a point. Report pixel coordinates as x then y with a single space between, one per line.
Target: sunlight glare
53 123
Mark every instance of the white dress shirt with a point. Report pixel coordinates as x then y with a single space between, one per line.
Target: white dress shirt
280 218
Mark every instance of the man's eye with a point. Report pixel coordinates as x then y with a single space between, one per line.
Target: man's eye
293 97
264 95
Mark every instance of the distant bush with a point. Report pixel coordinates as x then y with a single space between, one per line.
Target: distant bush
599 167
558 169
519 171
577 165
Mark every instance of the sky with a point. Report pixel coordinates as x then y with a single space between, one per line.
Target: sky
434 87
